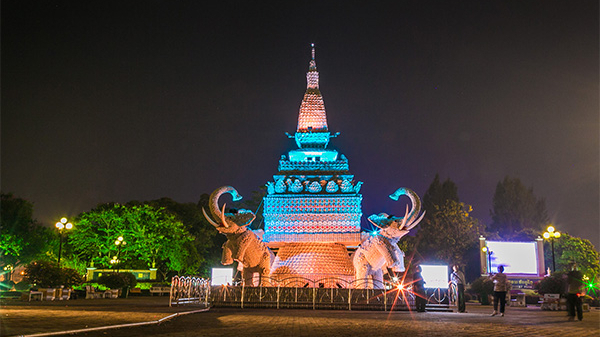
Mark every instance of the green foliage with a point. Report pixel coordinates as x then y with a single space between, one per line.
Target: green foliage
22 286
568 250
48 274
516 208
23 238
448 234
483 286
555 283
190 215
118 280
154 237
144 285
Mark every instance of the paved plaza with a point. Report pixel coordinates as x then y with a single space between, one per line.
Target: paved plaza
31 318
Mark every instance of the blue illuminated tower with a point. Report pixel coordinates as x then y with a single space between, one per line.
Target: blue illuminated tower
312 209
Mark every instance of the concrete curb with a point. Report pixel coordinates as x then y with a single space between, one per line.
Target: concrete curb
64 333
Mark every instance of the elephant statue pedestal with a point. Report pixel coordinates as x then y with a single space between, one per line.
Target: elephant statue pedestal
316 264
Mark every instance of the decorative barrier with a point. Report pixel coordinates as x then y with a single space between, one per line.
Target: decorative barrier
189 290
326 293
299 292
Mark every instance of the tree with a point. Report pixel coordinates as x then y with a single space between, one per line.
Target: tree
438 193
207 241
449 234
516 208
154 238
23 238
568 250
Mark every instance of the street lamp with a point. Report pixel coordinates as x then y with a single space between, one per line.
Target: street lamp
489 254
62 225
551 235
119 242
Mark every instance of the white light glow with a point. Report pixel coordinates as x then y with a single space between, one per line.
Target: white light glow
222 276
516 257
435 276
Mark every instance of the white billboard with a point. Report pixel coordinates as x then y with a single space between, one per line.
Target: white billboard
517 257
222 276
435 276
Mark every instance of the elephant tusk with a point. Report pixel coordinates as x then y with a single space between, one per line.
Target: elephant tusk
213 223
225 224
375 224
214 199
403 223
414 224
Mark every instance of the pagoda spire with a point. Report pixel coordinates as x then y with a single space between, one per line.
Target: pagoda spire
312 118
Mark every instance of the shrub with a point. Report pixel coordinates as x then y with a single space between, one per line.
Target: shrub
47 274
118 280
482 286
22 286
555 283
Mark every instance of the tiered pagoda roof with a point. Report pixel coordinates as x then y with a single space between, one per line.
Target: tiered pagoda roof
313 198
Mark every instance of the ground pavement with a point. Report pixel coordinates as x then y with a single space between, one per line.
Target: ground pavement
30 318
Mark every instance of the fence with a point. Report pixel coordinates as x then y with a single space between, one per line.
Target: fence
298 292
189 290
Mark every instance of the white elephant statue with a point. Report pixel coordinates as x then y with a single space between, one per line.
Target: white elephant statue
381 251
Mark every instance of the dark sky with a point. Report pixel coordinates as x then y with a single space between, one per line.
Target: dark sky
136 100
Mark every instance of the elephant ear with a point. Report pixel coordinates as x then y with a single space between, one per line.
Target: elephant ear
379 220
243 217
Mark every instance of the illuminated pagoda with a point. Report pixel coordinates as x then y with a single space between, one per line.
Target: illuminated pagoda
312 209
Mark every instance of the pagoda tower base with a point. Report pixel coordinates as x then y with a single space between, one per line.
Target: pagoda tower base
313 265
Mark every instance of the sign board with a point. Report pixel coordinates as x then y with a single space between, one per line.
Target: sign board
516 257
222 276
435 276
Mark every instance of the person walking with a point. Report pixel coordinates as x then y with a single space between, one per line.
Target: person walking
419 290
500 287
574 292
457 278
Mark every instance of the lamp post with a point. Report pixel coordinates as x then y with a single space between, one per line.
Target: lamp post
551 234
119 242
62 225
489 255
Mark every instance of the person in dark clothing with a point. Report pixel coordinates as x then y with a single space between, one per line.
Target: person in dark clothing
419 290
574 292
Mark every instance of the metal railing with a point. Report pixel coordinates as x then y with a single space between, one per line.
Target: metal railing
189 290
299 292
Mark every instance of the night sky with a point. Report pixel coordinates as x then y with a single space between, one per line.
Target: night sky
137 100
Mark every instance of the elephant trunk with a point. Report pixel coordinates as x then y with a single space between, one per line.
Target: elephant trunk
213 204
412 215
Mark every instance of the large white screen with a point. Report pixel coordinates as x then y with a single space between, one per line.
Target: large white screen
222 276
435 276
517 257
